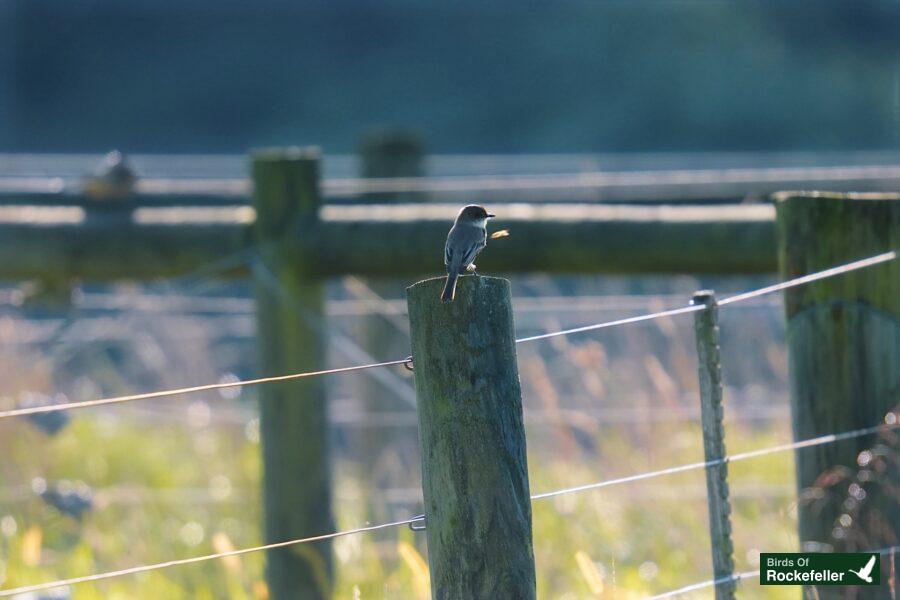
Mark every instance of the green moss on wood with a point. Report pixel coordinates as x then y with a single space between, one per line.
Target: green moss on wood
293 415
472 438
844 351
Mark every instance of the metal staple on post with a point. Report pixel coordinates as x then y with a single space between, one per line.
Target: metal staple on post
706 330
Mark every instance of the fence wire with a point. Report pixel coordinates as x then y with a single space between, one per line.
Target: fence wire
705 584
741 576
838 270
21 412
891 423
196 559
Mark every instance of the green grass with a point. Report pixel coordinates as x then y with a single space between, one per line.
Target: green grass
168 491
171 483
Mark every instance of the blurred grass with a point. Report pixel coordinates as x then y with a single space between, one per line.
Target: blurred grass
160 494
180 478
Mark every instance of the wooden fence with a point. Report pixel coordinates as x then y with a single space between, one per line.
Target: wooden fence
301 242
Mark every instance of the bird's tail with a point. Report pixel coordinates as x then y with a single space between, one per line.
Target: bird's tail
450 288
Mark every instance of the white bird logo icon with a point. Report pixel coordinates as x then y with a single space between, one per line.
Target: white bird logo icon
866 572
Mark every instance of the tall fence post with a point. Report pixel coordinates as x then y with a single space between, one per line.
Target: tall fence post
387 454
293 420
844 350
472 438
706 331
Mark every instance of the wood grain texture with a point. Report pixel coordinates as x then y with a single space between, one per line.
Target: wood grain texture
472 438
706 332
844 351
293 416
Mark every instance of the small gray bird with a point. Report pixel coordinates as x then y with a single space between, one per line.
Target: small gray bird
114 179
466 239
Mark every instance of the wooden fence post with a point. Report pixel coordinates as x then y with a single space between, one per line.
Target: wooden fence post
706 331
844 351
472 438
387 454
293 420
392 153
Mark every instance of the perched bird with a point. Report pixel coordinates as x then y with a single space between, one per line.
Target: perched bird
114 179
466 239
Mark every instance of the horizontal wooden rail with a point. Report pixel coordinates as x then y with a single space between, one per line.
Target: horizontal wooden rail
554 238
653 179
70 242
395 240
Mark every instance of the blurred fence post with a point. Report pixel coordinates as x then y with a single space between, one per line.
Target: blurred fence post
472 438
844 350
387 455
392 153
706 331
293 419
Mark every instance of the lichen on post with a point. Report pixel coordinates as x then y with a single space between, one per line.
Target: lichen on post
472 438
844 350
706 333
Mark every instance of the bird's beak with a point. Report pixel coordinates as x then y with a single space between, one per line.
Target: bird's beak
490 216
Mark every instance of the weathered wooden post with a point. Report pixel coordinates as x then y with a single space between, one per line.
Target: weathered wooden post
844 351
706 331
472 438
293 420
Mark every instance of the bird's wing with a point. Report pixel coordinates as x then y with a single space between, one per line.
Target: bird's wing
471 252
448 254
452 242
868 568
468 242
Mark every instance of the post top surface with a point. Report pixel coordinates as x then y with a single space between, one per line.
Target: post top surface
438 282
703 297
472 292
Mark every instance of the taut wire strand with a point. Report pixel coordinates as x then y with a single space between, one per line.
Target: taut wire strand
21 412
817 441
859 264
705 584
626 321
838 270
186 561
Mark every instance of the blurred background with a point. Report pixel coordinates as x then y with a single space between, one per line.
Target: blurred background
704 101
471 77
